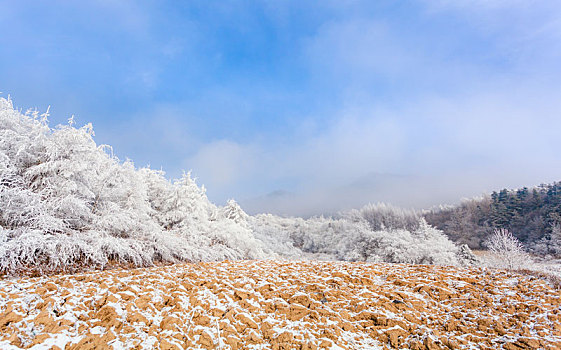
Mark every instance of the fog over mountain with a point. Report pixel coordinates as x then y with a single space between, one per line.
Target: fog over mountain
400 190
455 98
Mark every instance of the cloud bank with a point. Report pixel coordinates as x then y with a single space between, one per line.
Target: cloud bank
299 109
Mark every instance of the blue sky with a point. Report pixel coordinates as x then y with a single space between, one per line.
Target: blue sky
328 105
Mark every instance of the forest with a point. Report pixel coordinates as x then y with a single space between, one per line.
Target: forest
533 215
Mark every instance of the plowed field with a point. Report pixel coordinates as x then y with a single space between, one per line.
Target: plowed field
281 305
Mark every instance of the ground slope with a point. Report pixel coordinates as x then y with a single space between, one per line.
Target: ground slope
281 305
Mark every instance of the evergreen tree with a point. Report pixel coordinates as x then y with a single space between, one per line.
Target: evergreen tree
531 214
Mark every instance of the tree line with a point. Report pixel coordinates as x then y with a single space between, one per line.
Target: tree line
68 204
533 215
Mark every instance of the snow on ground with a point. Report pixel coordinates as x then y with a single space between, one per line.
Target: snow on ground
281 305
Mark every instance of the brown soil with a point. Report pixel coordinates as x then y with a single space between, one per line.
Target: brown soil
282 305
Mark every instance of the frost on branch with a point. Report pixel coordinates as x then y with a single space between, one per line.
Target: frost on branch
507 251
66 203
382 216
351 237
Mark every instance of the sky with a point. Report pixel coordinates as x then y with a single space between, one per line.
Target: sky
303 108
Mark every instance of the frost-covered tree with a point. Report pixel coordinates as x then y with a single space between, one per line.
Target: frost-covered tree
382 216
554 244
352 238
234 212
550 245
507 251
67 203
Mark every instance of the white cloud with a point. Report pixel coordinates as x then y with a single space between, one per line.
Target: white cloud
413 116
453 126
439 150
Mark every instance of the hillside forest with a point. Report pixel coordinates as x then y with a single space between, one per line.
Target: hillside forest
533 215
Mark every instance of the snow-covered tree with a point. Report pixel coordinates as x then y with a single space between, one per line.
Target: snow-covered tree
382 216
554 244
67 203
234 212
507 251
351 238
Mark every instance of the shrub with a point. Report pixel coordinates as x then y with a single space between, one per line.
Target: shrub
507 251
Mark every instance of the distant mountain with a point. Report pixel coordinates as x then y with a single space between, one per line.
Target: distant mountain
375 180
371 188
279 194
